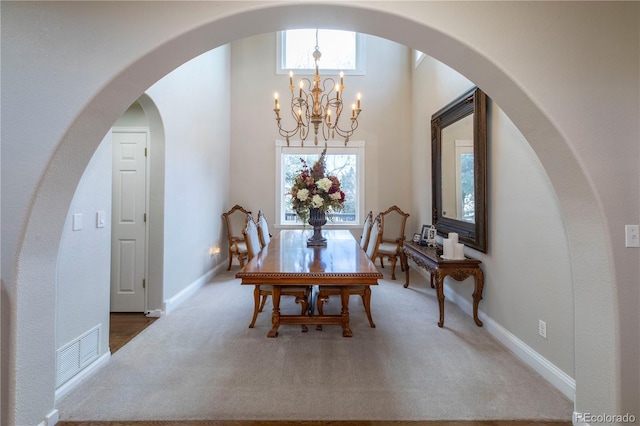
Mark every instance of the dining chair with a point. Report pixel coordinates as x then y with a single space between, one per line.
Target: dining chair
261 292
366 230
236 221
364 291
393 221
263 229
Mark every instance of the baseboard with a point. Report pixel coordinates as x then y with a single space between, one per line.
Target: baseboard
191 289
51 419
83 374
156 313
558 378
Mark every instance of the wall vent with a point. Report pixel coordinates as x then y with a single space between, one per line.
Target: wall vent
77 354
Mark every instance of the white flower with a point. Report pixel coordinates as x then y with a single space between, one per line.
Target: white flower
317 201
302 194
324 184
335 196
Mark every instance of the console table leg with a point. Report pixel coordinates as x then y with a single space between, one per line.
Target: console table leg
440 293
477 295
405 264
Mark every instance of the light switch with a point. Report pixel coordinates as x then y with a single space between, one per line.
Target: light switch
100 219
77 222
632 236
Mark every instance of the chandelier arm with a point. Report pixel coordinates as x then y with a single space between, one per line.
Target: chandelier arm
346 134
314 106
324 86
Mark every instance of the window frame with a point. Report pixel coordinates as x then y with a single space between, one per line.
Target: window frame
295 147
360 59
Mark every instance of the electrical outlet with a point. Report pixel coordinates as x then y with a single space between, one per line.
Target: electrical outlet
632 235
542 328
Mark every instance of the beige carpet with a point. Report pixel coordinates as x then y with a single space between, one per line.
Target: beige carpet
203 362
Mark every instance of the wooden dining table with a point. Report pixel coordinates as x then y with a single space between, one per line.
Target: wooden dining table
287 261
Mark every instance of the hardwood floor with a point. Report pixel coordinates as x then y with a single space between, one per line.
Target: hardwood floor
125 326
319 423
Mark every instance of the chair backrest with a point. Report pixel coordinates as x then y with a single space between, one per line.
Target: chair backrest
366 230
375 237
251 238
236 219
393 223
263 229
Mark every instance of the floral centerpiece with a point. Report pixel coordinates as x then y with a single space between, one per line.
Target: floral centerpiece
314 194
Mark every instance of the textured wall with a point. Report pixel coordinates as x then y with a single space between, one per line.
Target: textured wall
572 93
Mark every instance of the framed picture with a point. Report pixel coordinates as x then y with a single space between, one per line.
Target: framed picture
416 237
428 235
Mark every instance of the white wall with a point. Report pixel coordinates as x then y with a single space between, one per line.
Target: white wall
84 256
185 99
384 123
193 102
527 266
570 88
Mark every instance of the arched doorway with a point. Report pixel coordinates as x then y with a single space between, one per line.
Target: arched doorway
37 259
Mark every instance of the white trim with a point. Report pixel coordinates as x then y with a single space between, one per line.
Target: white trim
172 303
156 313
51 419
353 147
558 378
83 374
418 57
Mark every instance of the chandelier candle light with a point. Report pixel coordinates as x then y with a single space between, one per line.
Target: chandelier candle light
318 103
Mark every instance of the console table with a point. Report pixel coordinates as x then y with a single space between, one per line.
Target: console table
430 259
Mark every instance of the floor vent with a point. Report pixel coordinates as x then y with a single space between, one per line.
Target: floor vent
77 354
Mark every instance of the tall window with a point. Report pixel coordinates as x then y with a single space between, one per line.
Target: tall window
346 163
341 51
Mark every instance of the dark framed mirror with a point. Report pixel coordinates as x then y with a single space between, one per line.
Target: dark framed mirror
459 169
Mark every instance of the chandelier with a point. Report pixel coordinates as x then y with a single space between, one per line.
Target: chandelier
318 104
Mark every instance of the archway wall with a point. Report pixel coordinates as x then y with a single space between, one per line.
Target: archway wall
568 92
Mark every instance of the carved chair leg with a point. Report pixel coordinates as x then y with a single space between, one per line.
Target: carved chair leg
302 299
366 301
264 300
241 260
320 303
230 260
393 267
256 305
381 262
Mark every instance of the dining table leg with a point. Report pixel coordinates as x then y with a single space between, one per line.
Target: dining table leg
344 296
275 316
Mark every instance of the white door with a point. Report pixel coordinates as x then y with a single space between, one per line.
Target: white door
128 237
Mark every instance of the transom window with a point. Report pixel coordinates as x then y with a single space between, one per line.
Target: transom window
341 51
346 163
